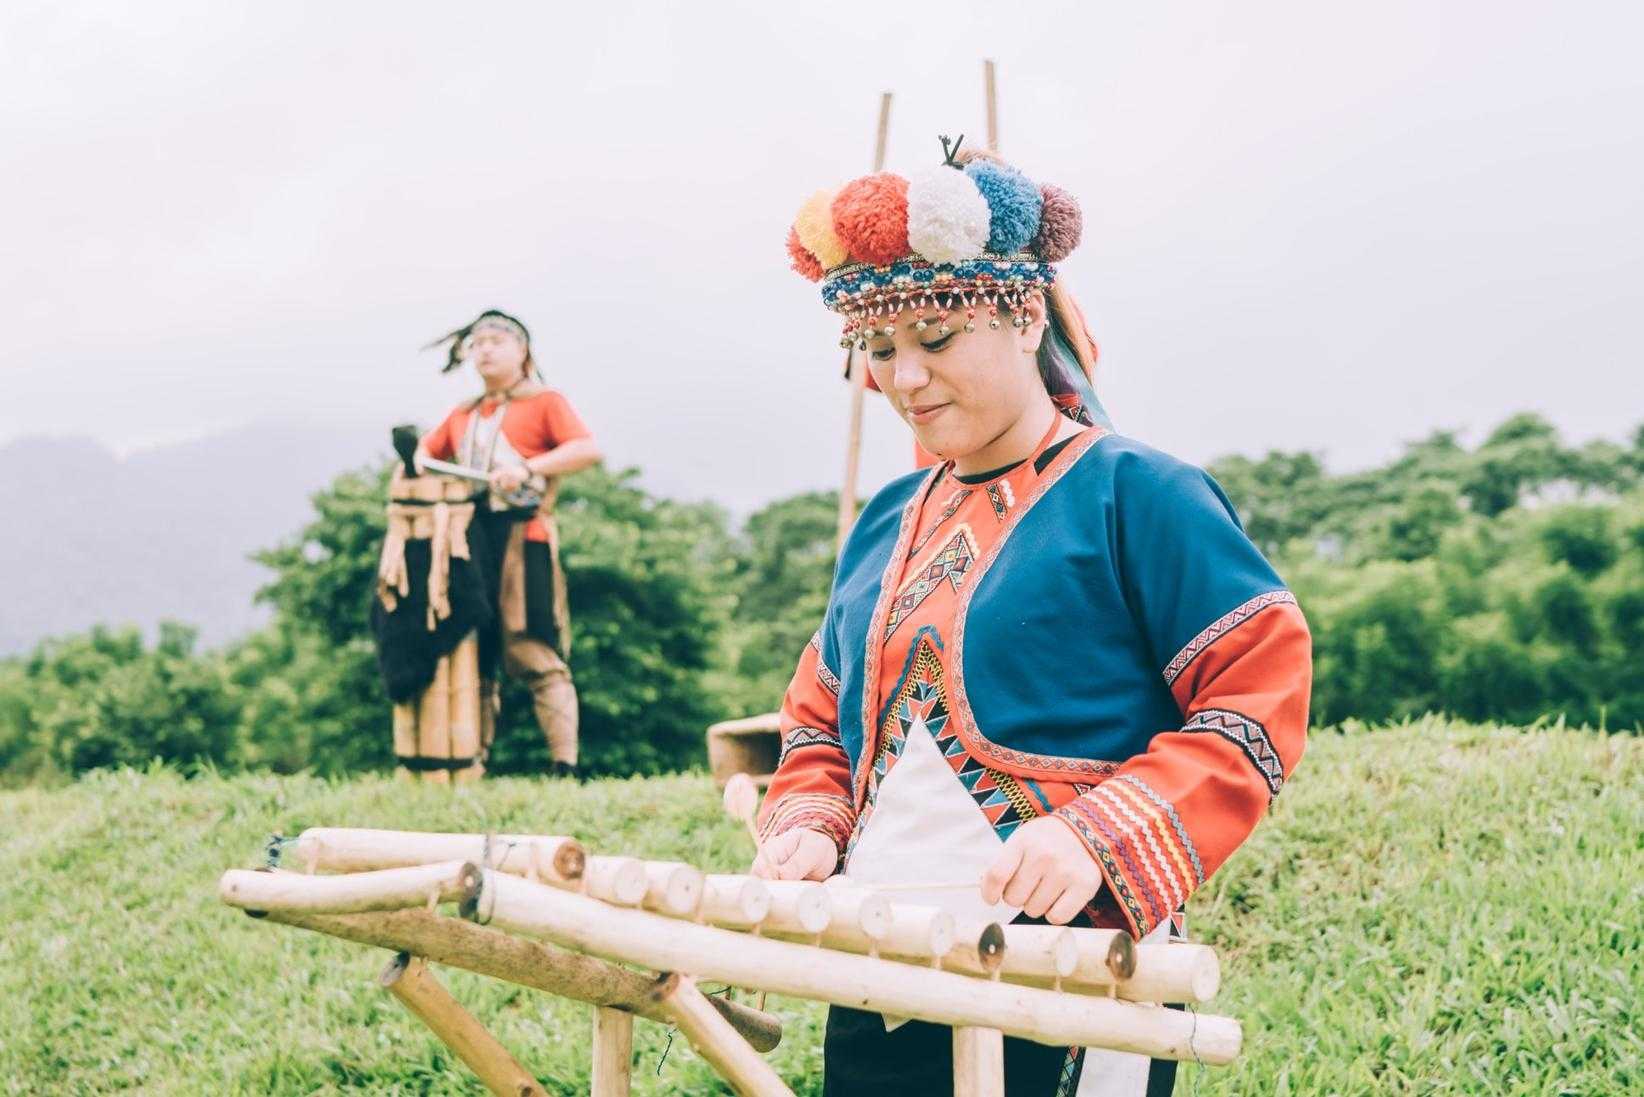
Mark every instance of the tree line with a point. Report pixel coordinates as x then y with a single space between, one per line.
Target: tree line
1503 582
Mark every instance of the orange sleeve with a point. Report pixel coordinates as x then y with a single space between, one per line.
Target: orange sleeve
812 784
558 421
441 442
1171 816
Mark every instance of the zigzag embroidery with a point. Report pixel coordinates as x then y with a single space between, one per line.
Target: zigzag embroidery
1221 627
1249 736
809 737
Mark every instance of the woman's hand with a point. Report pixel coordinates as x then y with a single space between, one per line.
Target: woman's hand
1044 869
509 477
798 854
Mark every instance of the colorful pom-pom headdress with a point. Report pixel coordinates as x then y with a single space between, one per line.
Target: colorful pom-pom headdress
965 239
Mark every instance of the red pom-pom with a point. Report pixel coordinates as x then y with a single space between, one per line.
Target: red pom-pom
870 216
803 261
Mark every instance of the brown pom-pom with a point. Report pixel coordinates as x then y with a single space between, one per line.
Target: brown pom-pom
1061 224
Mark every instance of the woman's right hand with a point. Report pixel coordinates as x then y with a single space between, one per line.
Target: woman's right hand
798 854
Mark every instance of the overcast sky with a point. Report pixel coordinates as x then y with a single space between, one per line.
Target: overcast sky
1308 225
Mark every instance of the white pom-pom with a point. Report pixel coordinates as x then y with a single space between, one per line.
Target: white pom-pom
947 216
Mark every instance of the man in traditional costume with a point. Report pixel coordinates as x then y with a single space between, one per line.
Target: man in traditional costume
525 437
1055 680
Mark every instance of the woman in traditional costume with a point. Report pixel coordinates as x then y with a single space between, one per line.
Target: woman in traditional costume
526 436
1055 680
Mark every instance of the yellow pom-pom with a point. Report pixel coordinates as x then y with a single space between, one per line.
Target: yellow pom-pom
815 228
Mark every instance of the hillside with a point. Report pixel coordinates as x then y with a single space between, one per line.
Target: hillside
1431 909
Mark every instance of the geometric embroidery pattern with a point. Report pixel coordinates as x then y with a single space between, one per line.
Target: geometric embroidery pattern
921 696
954 503
1249 736
1221 627
1002 498
948 566
809 737
1142 845
829 680
832 815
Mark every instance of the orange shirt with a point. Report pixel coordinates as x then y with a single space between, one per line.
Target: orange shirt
531 426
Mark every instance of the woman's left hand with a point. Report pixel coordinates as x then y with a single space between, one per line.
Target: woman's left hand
1045 870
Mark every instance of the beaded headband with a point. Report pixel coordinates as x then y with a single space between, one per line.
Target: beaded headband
968 234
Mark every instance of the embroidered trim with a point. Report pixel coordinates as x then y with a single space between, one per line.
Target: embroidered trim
808 737
974 739
952 508
1003 497
1118 882
1221 627
1249 736
873 643
831 815
824 673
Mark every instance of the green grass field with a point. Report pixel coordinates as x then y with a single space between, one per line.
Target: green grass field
1430 909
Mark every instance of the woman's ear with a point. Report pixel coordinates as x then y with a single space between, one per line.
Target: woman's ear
1034 333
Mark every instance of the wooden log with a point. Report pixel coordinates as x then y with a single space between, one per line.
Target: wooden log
613 1053
716 1041
408 979
434 721
978 1062
457 943
672 888
387 889
977 951
1173 972
1049 952
619 880
917 933
465 708
860 982
857 920
554 859
799 908
735 902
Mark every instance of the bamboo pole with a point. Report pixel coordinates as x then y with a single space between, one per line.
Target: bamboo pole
992 93
613 1053
388 889
860 982
978 1062
553 859
856 369
716 1041
461 944
434 722
465 708
408 979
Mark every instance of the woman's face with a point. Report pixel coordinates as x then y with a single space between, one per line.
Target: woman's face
498 355
960 391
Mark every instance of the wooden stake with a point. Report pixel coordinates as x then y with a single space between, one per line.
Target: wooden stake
409 980
389 889
456 943
978 1062
716 1041
613 1053
857 370
861 982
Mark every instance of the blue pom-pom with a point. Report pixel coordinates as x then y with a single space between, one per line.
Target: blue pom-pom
1014 203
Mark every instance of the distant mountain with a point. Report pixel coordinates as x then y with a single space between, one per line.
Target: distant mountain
88 538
